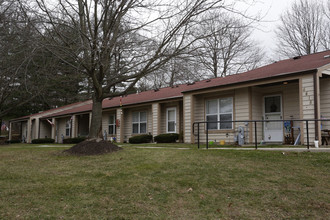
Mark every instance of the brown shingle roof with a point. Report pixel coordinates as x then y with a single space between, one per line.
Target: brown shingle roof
280 68
143 97
51 111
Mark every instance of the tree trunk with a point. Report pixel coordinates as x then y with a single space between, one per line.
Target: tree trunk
96 123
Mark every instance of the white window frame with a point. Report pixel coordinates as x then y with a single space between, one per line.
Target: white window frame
112 124
167 121
218 113
139 122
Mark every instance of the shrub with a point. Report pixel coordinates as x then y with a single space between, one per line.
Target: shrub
43 141
12 141
166 138
144 138
75 140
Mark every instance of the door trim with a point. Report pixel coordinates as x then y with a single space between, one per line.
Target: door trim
281 116
167 110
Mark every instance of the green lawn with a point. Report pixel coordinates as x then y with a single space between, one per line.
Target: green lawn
42 183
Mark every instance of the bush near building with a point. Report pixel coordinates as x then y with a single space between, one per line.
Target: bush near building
43 141
139 139
166 138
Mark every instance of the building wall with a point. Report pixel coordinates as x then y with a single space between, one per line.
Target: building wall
241 100
83 125
127 120
307 106
257 112
163 121
290 104
325 101
45 129
240 112
33 130
24 130
61 126
188 101
105 123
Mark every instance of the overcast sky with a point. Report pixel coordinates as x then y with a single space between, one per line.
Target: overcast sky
271 10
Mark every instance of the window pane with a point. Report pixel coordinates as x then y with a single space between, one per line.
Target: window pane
111 129
212 106
67 132
171 115
135 128
111 119
212 125
143 128
143 116
273 104
135 117
226 105
171 126
226 117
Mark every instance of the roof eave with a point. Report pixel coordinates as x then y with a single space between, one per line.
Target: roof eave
253 80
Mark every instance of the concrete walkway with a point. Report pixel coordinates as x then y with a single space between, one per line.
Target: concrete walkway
241 148
278 149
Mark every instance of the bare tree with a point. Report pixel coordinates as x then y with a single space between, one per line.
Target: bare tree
181 69
105 27
302 29
325 37
227 47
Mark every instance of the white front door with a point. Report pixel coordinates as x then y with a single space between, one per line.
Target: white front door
273 131
171 120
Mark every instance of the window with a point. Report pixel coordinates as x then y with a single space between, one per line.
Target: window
112 124
219 110
68 128
139 122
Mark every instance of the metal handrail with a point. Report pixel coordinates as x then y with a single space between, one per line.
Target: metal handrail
255 127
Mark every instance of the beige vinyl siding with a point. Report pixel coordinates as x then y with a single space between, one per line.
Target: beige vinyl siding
33 130
199 116
290 104
257 113
290 109
74 125
187 117
119 116
155 119
307 102
105 123
128 127
45 129
241 110
325 101
163 119
24 130
61 123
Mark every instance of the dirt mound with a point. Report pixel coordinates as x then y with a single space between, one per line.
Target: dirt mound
92 147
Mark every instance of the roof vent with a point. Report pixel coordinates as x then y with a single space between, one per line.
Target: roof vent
326 56
208 80
297 57
190 83
156 90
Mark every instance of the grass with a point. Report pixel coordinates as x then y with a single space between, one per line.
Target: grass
42 183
